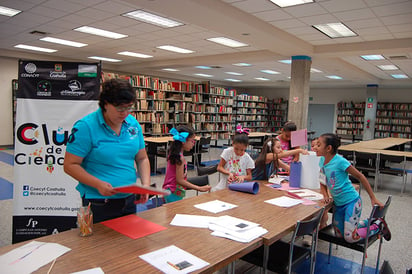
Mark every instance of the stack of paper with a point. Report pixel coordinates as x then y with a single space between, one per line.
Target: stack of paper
215 206
236 229
307 194
284 201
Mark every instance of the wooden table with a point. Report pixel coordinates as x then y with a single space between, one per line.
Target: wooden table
383 143
116 253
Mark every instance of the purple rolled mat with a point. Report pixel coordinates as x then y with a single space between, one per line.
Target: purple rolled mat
248 187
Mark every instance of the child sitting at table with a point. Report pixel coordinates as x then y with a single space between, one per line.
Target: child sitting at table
334 175
314 144
176 172
268 162
235 163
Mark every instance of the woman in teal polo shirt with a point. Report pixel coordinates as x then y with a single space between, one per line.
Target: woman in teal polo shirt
101 152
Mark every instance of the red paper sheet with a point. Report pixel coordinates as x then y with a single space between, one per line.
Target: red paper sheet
133 226
136 189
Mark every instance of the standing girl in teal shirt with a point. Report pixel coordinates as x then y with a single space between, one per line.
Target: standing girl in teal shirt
334 172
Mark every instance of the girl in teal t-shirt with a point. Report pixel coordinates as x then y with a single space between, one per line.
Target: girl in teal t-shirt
334 172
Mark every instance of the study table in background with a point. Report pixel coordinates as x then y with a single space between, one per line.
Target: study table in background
116 253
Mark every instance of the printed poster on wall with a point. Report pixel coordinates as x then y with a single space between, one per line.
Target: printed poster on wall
51 97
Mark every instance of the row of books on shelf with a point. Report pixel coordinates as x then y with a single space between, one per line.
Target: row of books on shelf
350 119
382 134
393 121
255 98
251 111
244 104
394 106
394 113
393 128
220 135
351 105
221 100
349 125
349 131
351 112
212 126
211 118
260 124
251 118
222 91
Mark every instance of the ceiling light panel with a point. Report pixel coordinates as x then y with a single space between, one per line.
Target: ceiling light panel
21 46
175 49
388 67
234 73
233 80
170 69
227 42
262 78
203 75
242 65
334 77
335 30
100 32
8 11
153 19
372 57
399 76
104 59
135 54
268 71
63 42
288 3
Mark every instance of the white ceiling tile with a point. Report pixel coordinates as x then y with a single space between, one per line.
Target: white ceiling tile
89 3
400 35
121 21
339 5
94 13
305 10
372 31
115 7
287 24
63 5
374 3
185 38
400 28
355 15
376 37
252 6
312 37
42 10
79 20
320 19
324 42
272 15
397 19
28 19
187 29
19 5
303 30
393 9
365 23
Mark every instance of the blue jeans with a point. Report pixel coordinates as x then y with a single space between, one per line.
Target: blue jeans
106 209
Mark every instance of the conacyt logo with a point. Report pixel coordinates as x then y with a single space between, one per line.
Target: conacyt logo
31 134
30 69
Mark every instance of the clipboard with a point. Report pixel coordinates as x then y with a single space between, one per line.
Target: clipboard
138 189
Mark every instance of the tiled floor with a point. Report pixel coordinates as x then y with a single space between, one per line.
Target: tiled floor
398 251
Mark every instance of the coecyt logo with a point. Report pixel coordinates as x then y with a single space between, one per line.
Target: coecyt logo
30 68
25 190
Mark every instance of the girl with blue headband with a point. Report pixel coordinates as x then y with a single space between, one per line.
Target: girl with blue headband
176 171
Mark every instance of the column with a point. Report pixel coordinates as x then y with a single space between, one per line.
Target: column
299 90
370 112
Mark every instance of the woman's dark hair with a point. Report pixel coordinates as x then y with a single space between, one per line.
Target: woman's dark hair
241 138
333 140
176 146
289 126
260 162
116 92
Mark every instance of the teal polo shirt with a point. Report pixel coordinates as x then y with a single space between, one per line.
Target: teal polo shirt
106 155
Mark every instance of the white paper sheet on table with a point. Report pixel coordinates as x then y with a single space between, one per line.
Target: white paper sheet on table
233 223
96 270
30 257
192 220
215 206
174 255
278 179
244 236
307 194
284 201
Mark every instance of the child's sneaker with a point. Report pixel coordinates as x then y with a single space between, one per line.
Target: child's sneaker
383 226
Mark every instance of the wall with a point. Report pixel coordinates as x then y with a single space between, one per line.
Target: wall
8 72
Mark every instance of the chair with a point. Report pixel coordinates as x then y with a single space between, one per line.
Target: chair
384 168
368 162
386 268
328 234
206 170
199 181
282 255
347 154
201 146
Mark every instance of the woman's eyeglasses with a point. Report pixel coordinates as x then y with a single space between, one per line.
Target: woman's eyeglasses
122 109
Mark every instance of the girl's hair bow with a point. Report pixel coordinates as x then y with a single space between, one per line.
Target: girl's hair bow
240 130
179 136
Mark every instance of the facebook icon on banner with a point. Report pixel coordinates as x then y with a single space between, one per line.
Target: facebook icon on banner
25 190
